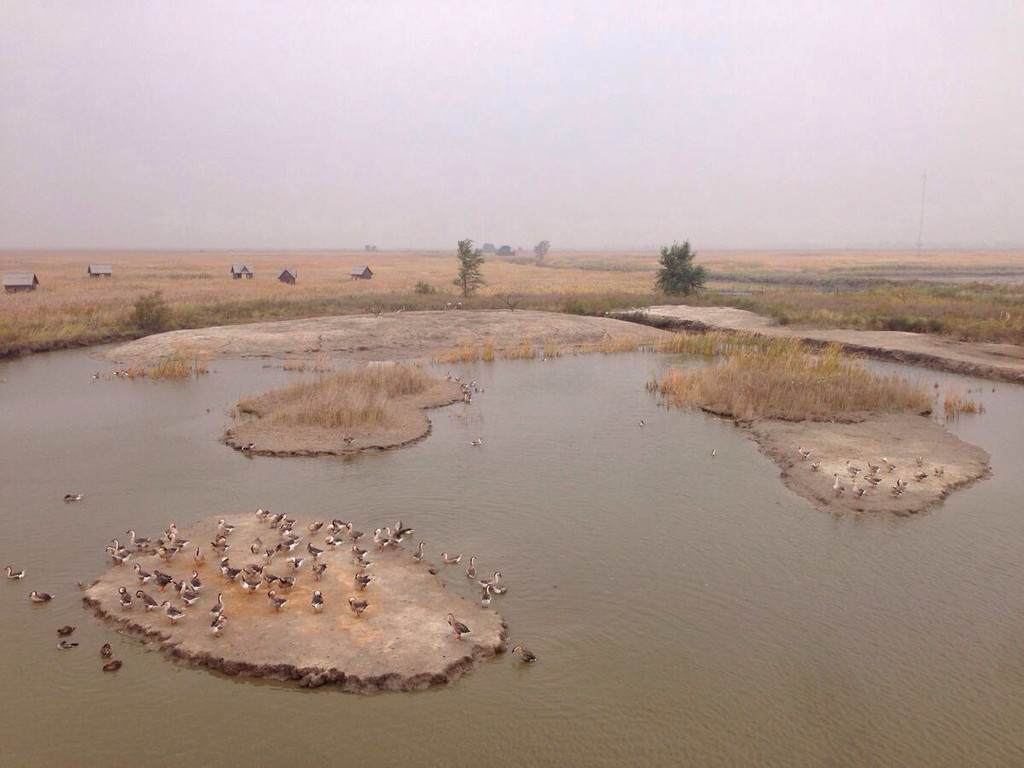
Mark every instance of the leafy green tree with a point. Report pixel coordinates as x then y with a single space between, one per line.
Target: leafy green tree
678 274
540 250
471 261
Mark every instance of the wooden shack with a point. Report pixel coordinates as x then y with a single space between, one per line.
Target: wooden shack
238 271
20 281
100 270
288 276
360 273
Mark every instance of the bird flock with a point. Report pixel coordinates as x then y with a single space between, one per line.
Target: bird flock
273 561
862 483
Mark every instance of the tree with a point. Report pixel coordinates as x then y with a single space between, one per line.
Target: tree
512 299
151 313
678 275
505 250
540 250
471 262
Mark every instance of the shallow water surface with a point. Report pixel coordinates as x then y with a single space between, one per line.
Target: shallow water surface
686 609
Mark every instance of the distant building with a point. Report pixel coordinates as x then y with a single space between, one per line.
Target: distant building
360 273
371 248
100 270
288 276
238 271
20 281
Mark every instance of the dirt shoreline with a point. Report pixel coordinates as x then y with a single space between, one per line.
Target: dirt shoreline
999 362
411 424
901 439
401 643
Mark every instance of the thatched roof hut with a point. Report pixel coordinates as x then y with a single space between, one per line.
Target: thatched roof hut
20 281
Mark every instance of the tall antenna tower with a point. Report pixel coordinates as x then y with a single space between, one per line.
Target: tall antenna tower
920 223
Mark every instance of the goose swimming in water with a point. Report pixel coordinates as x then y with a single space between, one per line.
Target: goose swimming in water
69 497
525 653
418 555
471 568
494 584
485 598
459 628
106 651
13 574
65 645
476 442
40 597
66 630
147 602
172 613
317 602
453 560
112 666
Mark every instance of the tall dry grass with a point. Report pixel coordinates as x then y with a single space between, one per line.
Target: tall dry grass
783 379
342 400
955 403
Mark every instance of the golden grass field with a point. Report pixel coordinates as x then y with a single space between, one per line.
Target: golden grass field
69 308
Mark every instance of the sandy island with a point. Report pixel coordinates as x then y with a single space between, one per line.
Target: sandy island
402 642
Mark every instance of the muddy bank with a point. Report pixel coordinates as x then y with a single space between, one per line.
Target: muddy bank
401 642
392 336
948 462
408 425
1000 362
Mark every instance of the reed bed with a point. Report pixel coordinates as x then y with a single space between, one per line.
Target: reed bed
783 379
183 363
524 350
955 403
342 400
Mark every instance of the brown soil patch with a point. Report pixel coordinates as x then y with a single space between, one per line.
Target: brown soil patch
408 424
402 642
1002 362
390 336
899 438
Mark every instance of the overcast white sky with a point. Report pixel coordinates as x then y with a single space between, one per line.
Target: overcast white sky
606 125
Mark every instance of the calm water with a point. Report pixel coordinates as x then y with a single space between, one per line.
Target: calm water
685 609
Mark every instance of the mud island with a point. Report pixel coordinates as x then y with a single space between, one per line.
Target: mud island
402 641
379 406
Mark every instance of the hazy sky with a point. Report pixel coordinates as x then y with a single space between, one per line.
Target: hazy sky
609 125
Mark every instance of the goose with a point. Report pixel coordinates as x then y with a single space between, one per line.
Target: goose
854 471
277 602
358 606
803 454
286 582
261 513
527 656
362 579
859 492
125 599
219 544
459 628
494 584
218 607
142 575
919 476
471 568
195 581
137 541
348 439
106 651
256 546
250 586
70 497
642 423
836 485
296 562
217 625
66 630
318 570
172 613
13 574
476 442
147 602
920 461
815 466
315 526
714 452
231 573
40 597
418 555
337 526
401 531
162 579
189 598
314 551
485 598
874 468
453 560
354 534
888 464
112 666
874 480
317 601
65 645
361 553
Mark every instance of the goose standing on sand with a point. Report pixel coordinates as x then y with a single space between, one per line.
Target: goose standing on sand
315 526
195 581
250 586
815 466
362 579
217 625
459 628
40 597
218 607
142 575
147 602
277 602
162 579
13 574
836 485
318 570
317 601
125 599
525 653
804 455
172 613
471 568
137 541
358 606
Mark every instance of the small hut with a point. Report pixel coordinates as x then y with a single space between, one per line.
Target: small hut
20 281
360 273
288 276
100 270
238 271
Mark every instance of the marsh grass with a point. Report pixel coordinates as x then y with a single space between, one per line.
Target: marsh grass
343 400
524 350
955 403
783 379
183 363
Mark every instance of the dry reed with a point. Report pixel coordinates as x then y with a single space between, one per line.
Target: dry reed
782 379
182 363
956 402
343 400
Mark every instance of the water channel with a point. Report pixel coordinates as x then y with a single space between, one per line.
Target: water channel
686 609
